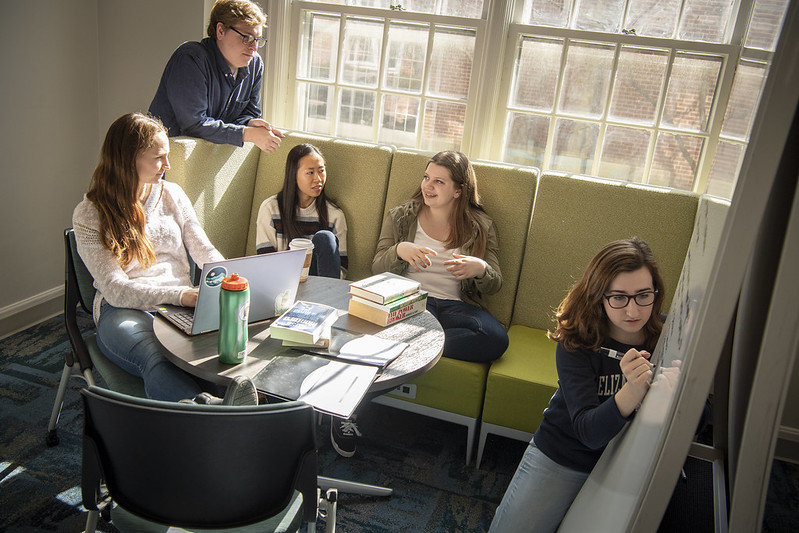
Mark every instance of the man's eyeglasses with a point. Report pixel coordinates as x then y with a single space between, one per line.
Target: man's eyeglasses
620 301
249 39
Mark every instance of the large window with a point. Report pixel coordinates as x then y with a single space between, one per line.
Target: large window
650 91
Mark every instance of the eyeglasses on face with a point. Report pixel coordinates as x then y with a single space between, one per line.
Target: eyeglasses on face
248 40
620 301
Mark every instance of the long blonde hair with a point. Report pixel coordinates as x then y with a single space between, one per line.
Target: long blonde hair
463 219
115 185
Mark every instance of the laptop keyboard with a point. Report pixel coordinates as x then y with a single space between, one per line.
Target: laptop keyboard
183 319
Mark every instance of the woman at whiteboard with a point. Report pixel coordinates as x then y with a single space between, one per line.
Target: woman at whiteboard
607 326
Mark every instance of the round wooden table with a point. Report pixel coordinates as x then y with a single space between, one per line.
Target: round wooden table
199 354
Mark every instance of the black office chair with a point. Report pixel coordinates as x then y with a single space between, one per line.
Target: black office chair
79 290
201 466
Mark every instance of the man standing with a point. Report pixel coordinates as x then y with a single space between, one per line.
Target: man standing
212 89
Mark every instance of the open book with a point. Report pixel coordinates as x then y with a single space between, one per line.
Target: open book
360 348
334 387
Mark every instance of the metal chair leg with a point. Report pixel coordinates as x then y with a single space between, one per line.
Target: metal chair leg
91 521
52 436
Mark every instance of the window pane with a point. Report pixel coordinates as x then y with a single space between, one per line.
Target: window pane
705 20
356 114
456 8
462 8
361 51
765 24
724 172
365 3
599 15
639 85
586 79
400 114
319 47
407 48
746 90
547 12
443 126
575 144
675 161
537 73
451 63
653 19
692 87
316 103
526 140
624 153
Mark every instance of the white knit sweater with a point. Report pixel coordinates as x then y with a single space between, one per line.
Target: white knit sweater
171 225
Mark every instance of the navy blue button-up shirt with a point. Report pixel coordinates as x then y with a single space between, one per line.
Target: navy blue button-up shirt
198 95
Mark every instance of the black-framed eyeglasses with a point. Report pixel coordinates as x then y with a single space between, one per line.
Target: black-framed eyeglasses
620 301
249 39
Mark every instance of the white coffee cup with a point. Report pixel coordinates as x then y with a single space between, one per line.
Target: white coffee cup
306 244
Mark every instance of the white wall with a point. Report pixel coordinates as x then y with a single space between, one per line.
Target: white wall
69 69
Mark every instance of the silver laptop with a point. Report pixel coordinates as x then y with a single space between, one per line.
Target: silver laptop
273 279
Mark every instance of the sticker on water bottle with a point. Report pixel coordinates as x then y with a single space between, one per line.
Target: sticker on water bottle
215 276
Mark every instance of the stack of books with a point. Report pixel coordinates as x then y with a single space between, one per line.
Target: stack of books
386 298
305 324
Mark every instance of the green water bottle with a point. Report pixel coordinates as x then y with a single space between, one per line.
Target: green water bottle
234 310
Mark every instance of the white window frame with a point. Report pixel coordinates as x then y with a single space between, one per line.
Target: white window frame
497 36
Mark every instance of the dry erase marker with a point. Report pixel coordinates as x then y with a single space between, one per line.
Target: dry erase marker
613 354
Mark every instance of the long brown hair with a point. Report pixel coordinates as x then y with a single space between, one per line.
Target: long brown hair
463 222
115 185
288 201
582 321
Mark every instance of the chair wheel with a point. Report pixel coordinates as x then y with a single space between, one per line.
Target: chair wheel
52 438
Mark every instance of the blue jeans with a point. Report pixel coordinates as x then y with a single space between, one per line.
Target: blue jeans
539 495
326 261
470 333
127 338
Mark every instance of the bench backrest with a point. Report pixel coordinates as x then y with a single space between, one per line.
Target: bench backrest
219 180
574 216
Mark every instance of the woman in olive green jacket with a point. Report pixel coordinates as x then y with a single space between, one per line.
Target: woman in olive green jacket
443 238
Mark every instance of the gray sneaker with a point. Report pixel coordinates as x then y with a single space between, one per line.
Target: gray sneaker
241 391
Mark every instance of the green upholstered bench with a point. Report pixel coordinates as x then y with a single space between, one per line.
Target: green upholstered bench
526 372
453 390
548 228
573 217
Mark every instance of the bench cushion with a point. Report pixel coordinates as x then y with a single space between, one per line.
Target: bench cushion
521 382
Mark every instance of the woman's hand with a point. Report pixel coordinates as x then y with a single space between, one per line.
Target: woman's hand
188 298
466 266
637 371
415 255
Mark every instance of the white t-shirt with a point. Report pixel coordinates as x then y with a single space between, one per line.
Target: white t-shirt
435 279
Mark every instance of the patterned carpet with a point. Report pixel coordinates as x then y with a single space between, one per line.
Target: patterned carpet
422 459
